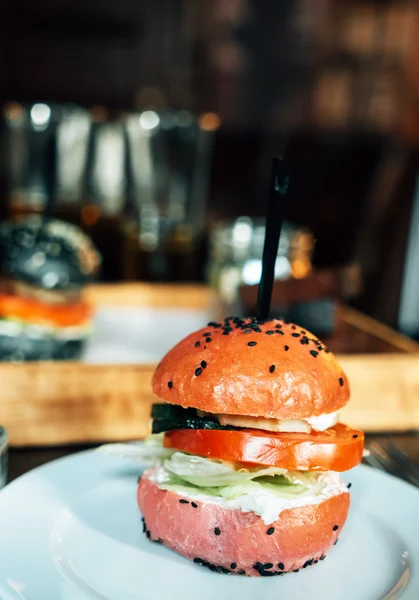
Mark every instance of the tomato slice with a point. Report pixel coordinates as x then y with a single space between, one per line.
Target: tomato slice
33 311
336 449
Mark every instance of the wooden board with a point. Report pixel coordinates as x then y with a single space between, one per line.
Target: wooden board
384 392
57 403
149 294
61 403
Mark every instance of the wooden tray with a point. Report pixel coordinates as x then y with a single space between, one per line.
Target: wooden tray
60 403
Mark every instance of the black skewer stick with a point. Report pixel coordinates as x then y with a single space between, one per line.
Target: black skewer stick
274 218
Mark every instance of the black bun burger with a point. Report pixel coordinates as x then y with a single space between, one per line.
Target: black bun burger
44 264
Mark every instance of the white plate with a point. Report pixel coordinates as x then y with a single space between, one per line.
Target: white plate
71 530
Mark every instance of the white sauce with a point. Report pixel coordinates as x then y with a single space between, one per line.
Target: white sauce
264 503
324 421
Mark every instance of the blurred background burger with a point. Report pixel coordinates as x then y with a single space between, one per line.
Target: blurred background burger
44 264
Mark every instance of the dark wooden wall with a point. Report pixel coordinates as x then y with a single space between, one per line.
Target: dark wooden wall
332 82
92 51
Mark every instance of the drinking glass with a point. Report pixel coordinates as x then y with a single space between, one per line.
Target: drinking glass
3 456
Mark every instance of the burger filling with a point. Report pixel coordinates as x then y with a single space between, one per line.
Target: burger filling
252 463
319 423
16 328
37 318
168 416
226 460
266 491
247 463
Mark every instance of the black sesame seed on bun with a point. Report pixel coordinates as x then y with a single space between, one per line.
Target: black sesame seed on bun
47 253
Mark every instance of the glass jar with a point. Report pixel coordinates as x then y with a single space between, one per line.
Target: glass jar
3 456
236 250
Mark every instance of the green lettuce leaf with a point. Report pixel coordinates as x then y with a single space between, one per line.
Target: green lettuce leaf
189 473
204 472
148 452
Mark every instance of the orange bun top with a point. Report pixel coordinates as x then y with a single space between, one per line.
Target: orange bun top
244 367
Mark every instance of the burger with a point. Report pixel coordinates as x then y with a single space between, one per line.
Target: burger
44 264
253 449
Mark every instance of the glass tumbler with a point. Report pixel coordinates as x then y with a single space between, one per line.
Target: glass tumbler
3 456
